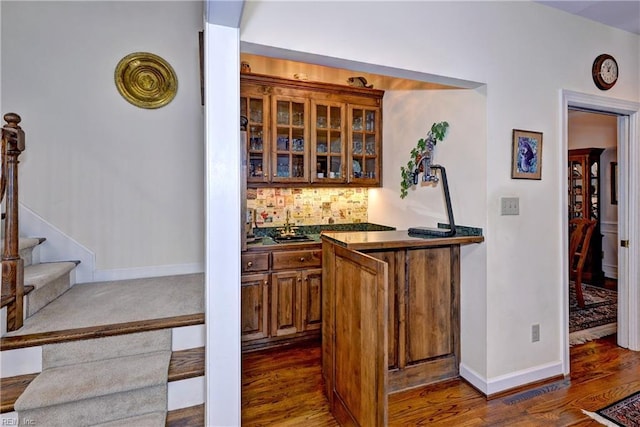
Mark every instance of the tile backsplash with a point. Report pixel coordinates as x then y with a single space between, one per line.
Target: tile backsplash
308 206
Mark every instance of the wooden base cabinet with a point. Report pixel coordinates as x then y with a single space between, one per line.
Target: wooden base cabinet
283 303
391 310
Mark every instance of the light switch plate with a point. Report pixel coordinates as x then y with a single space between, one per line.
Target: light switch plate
510 206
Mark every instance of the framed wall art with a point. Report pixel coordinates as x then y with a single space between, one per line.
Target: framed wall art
526 160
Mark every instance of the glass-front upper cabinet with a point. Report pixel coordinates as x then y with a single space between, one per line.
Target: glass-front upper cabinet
290 147
311 133
255 107
364 150
328 142
584 183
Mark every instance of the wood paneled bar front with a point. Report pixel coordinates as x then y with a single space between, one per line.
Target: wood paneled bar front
391 317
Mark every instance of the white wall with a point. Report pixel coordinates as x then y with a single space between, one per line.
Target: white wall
124 182
526 53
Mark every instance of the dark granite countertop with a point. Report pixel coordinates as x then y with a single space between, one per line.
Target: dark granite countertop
265 235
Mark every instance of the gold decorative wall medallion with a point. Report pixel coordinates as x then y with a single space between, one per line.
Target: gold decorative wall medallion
146 80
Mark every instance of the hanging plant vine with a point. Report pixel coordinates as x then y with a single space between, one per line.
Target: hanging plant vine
437 133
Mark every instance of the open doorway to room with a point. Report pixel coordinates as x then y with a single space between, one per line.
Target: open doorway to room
593 196
627 115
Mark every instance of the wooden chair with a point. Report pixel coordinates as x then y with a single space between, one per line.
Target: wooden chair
580 231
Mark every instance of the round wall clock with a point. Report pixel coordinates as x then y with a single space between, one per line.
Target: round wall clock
605 71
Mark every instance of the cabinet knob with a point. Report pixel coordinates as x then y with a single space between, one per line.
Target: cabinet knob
273 174
299 279
302 259
266 282
250 264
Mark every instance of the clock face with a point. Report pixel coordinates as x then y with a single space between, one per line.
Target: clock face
605 71
609 71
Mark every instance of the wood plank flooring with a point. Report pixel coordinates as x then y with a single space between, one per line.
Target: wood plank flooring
284 388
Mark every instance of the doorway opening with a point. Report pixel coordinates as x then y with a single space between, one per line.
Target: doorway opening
627 183
592 142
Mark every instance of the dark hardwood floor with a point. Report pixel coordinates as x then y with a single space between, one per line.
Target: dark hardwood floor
284 388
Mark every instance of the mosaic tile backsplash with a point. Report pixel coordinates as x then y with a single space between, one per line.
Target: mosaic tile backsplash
308 206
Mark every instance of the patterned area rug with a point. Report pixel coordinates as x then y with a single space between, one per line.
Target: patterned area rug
625 412
597 319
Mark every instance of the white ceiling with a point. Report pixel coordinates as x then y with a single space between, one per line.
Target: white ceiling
624 14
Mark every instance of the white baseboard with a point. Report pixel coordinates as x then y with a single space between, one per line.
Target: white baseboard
57 243
152 271
511 380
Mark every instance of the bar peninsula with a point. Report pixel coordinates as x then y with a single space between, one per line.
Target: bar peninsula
391 317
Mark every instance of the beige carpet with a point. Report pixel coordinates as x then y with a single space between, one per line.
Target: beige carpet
94 304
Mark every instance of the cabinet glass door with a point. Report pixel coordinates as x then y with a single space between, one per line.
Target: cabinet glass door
289 142
328 148
253 108
576 173
365 146
594 186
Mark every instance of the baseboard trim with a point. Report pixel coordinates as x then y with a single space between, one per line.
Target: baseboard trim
512 380
151 271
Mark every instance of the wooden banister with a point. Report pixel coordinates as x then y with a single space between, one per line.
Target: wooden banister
13 143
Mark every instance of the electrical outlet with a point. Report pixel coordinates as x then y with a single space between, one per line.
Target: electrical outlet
535 333
510 206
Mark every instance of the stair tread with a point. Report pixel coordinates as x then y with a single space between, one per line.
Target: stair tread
71 383
26 242
41 274
191 416
153 419
118 303
187 364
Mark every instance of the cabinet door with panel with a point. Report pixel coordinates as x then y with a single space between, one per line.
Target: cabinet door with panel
286 287
254 105
365 157
328 142
311 299
290 140
254 306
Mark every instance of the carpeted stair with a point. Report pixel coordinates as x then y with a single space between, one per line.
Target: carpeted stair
44 282
108 354
99 381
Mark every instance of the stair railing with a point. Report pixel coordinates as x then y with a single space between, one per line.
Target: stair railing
12 265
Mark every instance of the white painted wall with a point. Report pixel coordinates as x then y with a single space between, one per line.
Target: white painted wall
124 182
526 53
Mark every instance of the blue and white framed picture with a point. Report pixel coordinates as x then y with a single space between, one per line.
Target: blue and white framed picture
526 161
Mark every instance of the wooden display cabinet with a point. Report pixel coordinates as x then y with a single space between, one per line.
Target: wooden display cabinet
584 189
311 133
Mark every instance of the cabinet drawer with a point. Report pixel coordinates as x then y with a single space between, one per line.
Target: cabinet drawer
254 262
296 259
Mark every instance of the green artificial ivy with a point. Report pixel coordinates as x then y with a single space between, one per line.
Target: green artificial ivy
437 133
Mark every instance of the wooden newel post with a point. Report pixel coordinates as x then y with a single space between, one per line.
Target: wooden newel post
12 264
